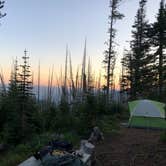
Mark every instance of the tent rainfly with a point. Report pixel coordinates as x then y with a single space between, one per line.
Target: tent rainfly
147 114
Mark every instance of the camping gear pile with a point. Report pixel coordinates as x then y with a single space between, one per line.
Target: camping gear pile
61 153
147 114
61 160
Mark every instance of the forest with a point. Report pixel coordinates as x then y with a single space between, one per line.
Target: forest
83 100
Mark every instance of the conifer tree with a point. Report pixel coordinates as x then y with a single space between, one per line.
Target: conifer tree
13 85
26 97
12 106
158 41
109 60
142 60
1 7
126 75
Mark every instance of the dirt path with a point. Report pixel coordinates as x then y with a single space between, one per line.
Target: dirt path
132 147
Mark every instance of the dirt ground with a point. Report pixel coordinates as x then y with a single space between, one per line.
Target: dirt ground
132 147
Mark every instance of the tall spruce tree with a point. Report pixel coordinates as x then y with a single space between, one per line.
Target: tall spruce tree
26 97
110 58
158 41
142 60
12 126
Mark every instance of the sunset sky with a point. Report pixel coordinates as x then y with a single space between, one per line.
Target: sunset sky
44 27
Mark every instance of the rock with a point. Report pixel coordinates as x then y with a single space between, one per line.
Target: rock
96 136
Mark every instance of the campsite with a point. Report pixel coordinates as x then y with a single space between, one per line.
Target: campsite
136 143
83 83
132 147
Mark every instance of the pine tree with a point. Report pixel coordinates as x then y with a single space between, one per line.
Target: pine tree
110 58
1 7
158 41
11 107
26 97
19 105
142 60
12 126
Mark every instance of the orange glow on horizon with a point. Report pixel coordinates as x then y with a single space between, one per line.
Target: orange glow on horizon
57 80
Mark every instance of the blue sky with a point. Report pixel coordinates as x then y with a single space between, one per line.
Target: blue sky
44 27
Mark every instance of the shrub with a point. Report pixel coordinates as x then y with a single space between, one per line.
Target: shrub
163 137
72 137
108 124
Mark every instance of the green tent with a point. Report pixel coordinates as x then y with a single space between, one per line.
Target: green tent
147 114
